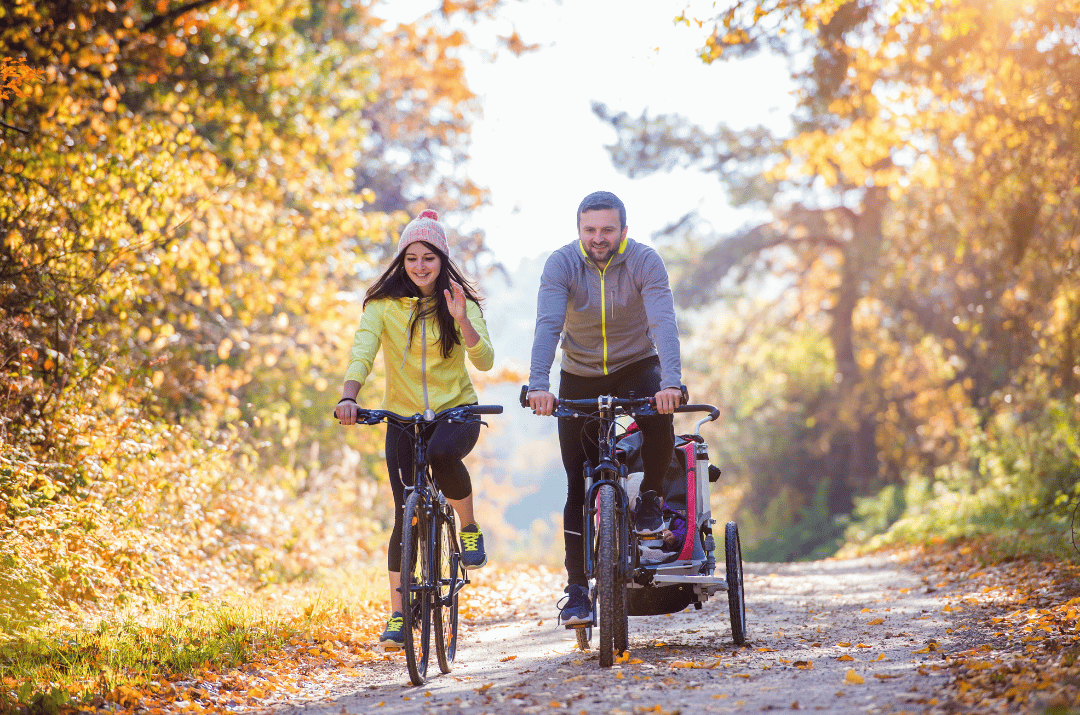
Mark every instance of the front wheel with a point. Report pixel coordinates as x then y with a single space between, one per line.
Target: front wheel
736 600
607 571
415 597
449 575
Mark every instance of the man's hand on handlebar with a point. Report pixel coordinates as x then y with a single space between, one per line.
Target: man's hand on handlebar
668 399
541 402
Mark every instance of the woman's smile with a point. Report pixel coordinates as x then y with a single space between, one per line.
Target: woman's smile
423 266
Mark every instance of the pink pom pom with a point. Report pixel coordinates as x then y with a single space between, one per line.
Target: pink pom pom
428 213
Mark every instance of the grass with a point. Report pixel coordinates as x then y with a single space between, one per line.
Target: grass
121 655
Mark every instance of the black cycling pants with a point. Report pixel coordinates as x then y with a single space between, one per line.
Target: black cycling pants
447 447
578 443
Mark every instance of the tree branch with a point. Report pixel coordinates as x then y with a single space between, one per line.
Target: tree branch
159 20
5 125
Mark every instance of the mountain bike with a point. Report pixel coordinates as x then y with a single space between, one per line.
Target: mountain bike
617 574
432 574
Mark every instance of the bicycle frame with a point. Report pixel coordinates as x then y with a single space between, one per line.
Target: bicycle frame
431 503
429 587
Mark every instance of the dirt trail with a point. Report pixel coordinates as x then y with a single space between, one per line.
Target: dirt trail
841 636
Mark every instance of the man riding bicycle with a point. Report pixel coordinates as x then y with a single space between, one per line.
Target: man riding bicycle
609 299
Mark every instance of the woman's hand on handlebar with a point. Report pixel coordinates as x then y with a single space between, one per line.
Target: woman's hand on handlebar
346 411
541 402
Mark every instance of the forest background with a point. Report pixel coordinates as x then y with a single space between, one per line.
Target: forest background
194 194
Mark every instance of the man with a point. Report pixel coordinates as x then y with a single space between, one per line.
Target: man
608 297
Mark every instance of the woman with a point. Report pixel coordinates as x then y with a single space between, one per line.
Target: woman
426 318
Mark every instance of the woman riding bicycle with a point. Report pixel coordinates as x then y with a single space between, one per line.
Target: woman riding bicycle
426 317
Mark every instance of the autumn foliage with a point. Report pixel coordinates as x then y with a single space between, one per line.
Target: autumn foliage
898 342
192 192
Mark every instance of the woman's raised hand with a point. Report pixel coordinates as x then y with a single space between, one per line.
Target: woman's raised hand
456 301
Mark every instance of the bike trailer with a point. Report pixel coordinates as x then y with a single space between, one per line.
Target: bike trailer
687 510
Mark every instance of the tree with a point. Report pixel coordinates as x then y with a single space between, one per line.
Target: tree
182 223
924 206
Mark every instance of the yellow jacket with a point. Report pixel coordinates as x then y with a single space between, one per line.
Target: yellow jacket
417 375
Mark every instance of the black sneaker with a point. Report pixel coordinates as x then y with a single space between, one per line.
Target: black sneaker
578 606
472 547
393 638
649 516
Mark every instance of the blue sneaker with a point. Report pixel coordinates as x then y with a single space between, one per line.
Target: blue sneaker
393 638
578 606
473 555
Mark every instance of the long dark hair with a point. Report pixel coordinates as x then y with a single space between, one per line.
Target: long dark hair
395 283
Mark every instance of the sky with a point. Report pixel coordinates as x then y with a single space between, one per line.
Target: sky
539 148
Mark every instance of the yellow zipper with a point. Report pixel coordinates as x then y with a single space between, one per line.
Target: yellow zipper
603 314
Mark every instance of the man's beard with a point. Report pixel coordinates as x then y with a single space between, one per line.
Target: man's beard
601 255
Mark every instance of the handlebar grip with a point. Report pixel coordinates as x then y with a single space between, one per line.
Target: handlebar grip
713 412
486 409
524 399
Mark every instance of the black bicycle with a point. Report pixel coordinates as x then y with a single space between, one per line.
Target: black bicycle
432 574
613 562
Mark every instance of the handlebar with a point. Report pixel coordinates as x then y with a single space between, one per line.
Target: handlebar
450 414
638 406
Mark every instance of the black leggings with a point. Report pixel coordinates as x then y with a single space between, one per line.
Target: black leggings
578 445
447 446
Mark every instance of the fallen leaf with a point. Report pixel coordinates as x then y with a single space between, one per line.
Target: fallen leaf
853 678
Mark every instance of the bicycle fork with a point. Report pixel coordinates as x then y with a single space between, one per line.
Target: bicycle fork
622 511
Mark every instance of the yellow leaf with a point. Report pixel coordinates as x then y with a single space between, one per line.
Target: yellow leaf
845 656
853 678
876 622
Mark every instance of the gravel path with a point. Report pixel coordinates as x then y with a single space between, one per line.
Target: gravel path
845 636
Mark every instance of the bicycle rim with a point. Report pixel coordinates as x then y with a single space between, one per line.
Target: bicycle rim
448 575
606 572
415 600
736 598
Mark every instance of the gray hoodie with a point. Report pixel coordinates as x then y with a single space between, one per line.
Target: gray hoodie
607 319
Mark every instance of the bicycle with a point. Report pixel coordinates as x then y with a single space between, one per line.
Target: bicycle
432 574
612 554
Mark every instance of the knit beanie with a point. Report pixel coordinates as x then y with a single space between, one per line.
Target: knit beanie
425 227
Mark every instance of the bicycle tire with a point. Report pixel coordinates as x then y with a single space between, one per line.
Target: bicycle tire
621 636
606 572
736 597
415 584
449 573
